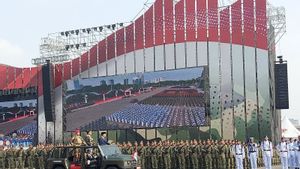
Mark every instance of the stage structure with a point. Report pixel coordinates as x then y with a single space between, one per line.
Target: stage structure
235 43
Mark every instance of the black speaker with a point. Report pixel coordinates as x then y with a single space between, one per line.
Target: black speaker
48 92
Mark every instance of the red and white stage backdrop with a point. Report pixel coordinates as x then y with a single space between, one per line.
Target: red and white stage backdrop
231 41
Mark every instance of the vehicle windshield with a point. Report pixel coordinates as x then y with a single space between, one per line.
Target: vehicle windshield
110 150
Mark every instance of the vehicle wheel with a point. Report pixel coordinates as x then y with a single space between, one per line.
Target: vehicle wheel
59 167
111 168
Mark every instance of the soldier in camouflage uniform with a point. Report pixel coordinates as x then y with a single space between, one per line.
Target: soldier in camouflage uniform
173 155
207 150
30 153
195 154
20 157
180 151
166 152
89 139
41 154
154 155
10 156
221 150
142 152
77 140
2 157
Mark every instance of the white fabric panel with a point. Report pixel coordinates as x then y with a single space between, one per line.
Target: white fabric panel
130 62
102 69
149 60
225 68
111 67
58 114
93 71
84 74
41 121
202 53
159 58
50 129
250 75
214 63
191 54
170 56
120 64
180 55
237 60
139 57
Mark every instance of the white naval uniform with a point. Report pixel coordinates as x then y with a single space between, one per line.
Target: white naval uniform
297 153
282 147
291 155
252 155
239 154
267 151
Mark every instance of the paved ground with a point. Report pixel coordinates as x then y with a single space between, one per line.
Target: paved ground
8 127
83 116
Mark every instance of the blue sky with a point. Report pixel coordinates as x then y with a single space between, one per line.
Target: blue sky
23 23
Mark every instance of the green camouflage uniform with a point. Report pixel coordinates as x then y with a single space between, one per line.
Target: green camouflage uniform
221 156
2 158
167 151
154 159
10 158
20 158
181 157
195 156
41 154
30 158
207 156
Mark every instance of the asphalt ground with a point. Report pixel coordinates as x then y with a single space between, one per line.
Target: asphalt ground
83 116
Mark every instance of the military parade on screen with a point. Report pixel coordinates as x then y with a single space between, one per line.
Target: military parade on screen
170 154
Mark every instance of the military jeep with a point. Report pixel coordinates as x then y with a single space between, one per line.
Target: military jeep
89 157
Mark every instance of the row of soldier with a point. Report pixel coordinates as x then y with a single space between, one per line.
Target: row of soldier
224 154
33 157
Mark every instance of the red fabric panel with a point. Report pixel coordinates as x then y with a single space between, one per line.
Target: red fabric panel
102 51
33 76
261 24
2 77
84 62
58 75
149 28
40 81
120 42
190 20
111 46
201 20
169 22
75 67
179 20
67 70
93 56
129 38
158 9
213 20
249 23
26 77
139 33
236 23
10 77
19 78
225 26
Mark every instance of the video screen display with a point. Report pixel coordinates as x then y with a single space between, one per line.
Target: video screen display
141 100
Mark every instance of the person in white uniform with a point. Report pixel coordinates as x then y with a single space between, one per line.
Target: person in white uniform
291 154
297 152
239 154
283 149
267 151
252 153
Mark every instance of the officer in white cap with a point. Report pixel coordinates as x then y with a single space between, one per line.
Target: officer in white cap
239 154
267 150
252 153
282 147
297 152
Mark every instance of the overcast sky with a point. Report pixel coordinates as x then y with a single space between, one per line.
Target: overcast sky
23 23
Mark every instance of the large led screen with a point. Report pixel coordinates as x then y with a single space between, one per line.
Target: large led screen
172 98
